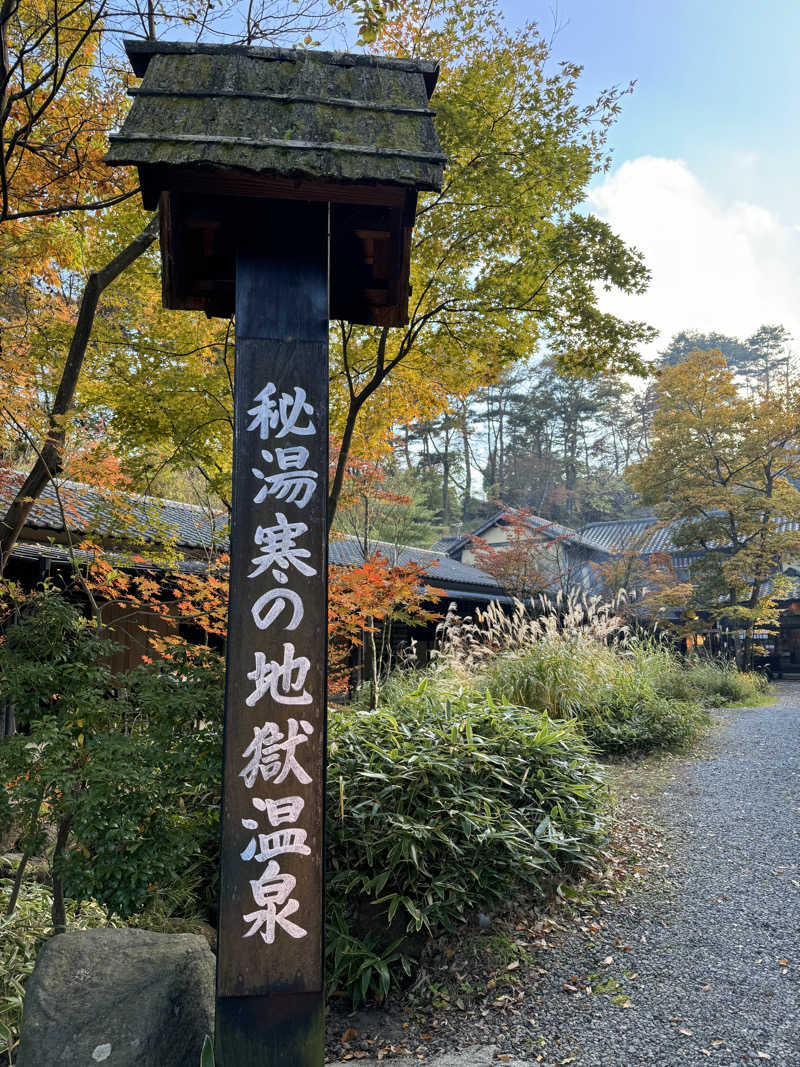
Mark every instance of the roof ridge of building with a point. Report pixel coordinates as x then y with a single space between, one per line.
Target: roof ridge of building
70 483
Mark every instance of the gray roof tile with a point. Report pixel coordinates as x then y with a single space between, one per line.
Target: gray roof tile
89 510
154 520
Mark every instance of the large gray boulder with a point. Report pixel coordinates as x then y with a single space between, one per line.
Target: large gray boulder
126 998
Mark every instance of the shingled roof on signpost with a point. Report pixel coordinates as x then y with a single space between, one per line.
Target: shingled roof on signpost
212 125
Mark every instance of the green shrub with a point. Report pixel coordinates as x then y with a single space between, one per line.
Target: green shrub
717 684
128 775
440 809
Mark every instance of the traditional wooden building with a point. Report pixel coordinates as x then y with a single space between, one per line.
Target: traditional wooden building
137 531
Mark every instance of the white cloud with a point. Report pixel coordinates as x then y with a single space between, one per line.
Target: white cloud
727 268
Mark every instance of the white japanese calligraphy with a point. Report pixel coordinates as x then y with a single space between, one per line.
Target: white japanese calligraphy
279 551
281 416
293 483
280 680
282 842
285 809
274 603
272 754
270 891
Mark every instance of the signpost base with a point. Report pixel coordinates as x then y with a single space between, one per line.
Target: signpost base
280 1030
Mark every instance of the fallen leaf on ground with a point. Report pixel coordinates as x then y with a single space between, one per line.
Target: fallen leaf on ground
350 1034
685 1032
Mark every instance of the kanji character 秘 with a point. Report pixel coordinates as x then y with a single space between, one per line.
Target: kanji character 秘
282 415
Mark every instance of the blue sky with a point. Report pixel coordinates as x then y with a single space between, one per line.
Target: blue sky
706 153
718 83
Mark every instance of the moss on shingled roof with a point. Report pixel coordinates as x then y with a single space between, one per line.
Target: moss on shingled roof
327 115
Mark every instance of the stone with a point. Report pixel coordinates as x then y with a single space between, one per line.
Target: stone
126 998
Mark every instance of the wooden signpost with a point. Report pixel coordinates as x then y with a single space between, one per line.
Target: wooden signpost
286 184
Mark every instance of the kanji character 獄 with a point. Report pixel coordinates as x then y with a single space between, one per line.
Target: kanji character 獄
273 755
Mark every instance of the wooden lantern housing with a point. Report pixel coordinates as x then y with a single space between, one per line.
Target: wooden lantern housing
216 129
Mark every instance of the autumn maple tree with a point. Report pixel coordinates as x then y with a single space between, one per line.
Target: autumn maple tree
724 469
529 560
501 257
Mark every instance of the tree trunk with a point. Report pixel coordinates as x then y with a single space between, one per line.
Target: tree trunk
23 863
50 460
372 665
59 912
464 426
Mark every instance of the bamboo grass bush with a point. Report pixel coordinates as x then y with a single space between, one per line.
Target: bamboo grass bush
442 807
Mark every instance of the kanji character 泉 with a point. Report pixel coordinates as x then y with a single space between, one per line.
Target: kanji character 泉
270 892
284 809
281 416
273 755
294 482
282 842
280 680
276 601
279 550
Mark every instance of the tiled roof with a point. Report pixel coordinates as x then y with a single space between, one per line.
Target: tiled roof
154 520
89 510
645 535
439 567
551 530
304 113
445 543
648 534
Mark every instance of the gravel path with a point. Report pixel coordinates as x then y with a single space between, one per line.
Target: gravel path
706 969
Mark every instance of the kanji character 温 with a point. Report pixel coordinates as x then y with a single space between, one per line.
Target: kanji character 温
284 809
291 841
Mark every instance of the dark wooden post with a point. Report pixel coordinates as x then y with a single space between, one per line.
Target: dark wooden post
263 164
270 960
